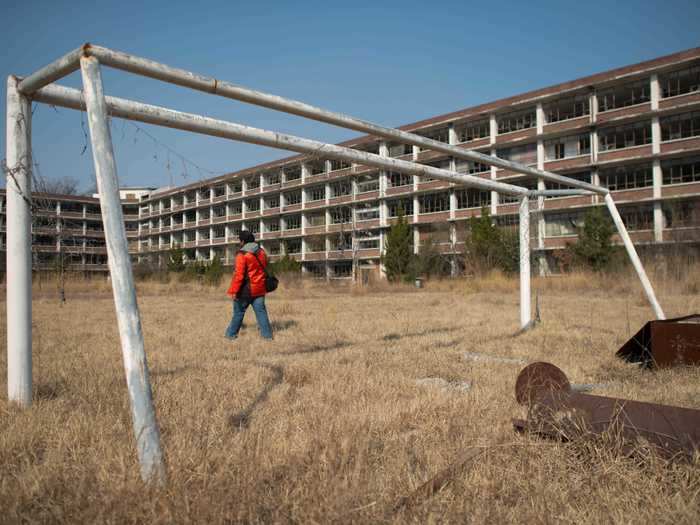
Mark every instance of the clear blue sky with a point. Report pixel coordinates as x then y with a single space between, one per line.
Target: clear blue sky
390 62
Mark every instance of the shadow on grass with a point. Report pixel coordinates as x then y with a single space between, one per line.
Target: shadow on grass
157 372
50 390
317 348
241 420
280 326
395 337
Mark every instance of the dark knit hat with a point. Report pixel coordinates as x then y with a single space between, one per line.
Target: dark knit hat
246 236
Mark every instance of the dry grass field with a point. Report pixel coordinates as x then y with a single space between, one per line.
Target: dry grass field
330 422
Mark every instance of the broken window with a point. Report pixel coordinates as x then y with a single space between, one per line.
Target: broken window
627 177
526 154
469 131
339 165
293 245
271 225
315 243
627 136
624 95
272 202
434 202
316 167
565 147
292 197
559 224
367 183
252 182
292 173
235 208
341 215
679 214
340 188
316 193
398 150
405 204
517 120
680 126
680 82
680 171
567 108
292 222
272 178
316 219
396 179
252 205
472 198
367 211
471 167
638 217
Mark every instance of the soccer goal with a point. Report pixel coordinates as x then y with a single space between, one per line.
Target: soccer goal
40 87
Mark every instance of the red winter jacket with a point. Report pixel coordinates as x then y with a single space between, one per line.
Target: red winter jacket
246 263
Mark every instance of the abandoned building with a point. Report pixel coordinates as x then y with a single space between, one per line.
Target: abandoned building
634 130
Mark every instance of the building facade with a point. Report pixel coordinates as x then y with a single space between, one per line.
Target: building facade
634 130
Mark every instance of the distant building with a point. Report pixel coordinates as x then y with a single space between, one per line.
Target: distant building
634 130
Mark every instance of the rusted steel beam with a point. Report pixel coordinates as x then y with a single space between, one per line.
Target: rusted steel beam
555 410
666 343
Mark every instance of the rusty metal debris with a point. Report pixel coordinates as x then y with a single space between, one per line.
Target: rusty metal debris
665 343
556 411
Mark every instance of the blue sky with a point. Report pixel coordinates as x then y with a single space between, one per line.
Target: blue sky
390 62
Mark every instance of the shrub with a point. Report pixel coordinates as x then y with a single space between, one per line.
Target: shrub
398 253
285 265
593 248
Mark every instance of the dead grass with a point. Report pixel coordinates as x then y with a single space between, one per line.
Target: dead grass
327 423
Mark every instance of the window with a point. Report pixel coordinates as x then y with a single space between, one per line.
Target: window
397 150
293 245
439 134
472 198
473 130
471 167
292 197
219 191
316 193
681 171
625 136
341 215
316 243
292 222
399 179
400 204
367 183
680 126
624 95
252 182
638 217
272 178
219 232
235 208
271 202
219 211
584 176
342 269
680 82
526 154
292 173
271 225
434 202
236 186
252 205
339 165
368 243
316 219
681 214
565 147
516 121
317 167
567 108
340 188
558 224
627 177
367 212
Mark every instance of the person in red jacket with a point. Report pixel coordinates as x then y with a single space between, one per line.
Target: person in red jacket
248 286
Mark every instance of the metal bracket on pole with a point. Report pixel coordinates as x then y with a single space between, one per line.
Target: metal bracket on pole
19 246
629 246
524 230
128 318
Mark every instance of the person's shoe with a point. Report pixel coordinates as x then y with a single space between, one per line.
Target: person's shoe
230 337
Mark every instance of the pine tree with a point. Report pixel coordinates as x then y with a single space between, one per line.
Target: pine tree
594 247
398 253
176 260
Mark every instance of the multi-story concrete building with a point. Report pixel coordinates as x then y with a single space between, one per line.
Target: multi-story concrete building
635 130
67 229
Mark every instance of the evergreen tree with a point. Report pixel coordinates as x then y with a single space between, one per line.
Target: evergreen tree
398 253
594 248
176 260
214 271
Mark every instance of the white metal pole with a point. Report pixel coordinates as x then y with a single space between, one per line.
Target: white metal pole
524 230
68 97
150 68
629 246
128 317
19 246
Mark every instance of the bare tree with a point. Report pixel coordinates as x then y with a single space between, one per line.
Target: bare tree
63 186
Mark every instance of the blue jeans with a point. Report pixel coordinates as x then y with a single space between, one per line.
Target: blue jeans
239 308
